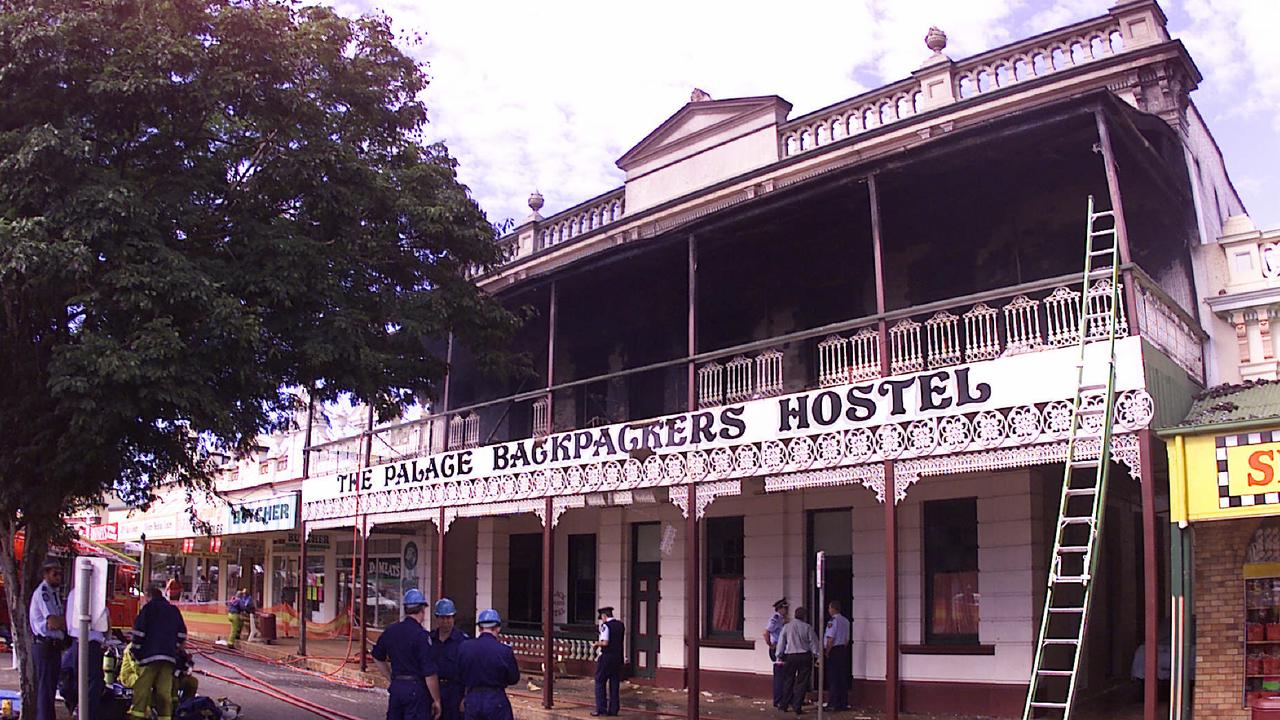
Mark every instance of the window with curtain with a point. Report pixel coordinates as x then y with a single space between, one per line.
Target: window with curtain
951 572
582 579
724 576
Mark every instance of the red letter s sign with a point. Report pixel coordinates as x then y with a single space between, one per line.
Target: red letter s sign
1262 462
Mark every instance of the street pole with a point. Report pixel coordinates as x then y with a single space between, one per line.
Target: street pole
817 620
84 581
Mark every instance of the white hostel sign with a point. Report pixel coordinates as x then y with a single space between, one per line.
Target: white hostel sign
1019 380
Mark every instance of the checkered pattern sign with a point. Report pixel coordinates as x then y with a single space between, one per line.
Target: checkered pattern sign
1225 498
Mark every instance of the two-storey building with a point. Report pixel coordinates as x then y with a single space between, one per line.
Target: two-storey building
851 331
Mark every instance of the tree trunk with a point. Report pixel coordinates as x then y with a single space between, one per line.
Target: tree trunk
20 580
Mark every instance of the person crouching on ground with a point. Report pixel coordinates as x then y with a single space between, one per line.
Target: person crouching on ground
158 635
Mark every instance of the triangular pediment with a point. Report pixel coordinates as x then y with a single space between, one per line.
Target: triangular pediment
701 120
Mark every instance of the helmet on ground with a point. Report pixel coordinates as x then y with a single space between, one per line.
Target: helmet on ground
489 618
444 608
414 597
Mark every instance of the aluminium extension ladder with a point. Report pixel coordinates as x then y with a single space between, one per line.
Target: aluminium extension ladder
1080 511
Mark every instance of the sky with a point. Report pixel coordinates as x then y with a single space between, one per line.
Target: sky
548 95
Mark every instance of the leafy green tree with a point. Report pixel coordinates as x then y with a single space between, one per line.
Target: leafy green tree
204 203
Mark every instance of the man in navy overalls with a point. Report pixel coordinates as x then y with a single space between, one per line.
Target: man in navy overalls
487 667
609 664
404 655
445 642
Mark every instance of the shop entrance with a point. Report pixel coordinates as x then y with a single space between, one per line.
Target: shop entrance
830 531
646 575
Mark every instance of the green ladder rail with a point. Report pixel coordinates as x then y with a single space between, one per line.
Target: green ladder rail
1080 512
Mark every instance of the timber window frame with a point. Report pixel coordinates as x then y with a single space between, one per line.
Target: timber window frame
949 546
725 567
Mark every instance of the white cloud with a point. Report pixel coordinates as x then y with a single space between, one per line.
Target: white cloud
548 95
1235 39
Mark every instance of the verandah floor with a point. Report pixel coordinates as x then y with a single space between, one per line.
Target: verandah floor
574 696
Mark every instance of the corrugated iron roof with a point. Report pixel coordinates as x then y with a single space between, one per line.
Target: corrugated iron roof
1247 403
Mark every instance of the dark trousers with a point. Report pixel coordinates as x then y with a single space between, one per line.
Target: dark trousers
47 655
837 673
409 700
608 677
70 686
451 693
779 684
487 704
796 673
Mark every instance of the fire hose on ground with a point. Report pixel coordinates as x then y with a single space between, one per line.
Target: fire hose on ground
262 686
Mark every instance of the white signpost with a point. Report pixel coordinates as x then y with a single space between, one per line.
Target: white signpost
818 622
88 605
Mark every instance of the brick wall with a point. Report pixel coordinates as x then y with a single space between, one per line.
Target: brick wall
1219 607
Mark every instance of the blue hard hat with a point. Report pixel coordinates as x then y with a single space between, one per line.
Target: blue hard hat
444 607
414 597
488 617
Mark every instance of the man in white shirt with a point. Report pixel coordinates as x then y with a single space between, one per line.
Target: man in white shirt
48 631
798 647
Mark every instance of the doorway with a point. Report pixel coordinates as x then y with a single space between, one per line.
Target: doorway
830 531
646 575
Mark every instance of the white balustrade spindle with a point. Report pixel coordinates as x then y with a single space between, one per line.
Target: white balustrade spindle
904 348
943 334
833 361
710 385
1062 308
456 432
738 385
866 355
472 430
981 337
1022 325
1098 311
542 417
769 373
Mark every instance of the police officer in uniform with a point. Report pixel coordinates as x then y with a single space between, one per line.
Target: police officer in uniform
404 655
49 633
445 642
835 644
488 667
609 664
771 633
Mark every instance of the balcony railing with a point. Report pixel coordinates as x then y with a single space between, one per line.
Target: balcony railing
1032 317
1032 58
562 647
741 378
591 215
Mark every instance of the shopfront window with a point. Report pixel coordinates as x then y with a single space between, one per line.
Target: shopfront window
284 580
951 572
205 587
165 566
383 585
315 585
1262 614
724 576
